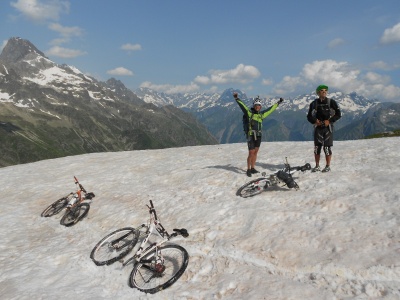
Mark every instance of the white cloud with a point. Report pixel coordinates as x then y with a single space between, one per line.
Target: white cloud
335 43
120 71
41 10
375 78
267 81
202 80
391 35
376 84
131 47
66 31
64 52
330 71
289 85
171 89
341 76
381 65
241 74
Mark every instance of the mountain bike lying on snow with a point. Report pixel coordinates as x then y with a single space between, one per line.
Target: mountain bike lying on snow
157 265
76 209
262 184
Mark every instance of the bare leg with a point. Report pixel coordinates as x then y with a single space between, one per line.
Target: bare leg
251 159
254 158
317 157
328 159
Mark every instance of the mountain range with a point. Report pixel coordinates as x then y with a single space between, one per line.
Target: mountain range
361 116
49 110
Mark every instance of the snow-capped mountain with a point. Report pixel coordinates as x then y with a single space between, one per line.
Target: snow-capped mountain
221 115
188 101
49 110
196 102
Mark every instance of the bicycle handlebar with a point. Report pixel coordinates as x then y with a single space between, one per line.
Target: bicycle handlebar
152 210
303 168
80 185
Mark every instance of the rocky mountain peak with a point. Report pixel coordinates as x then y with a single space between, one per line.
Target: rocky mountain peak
18 49
22 56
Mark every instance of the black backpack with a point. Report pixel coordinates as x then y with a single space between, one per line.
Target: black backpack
246 123
315 106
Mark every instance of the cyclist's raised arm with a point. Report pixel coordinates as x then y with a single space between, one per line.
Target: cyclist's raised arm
242 106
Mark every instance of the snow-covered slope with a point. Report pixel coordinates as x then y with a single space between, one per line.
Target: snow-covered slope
335 238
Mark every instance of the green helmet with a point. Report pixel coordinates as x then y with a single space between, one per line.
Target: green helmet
321 87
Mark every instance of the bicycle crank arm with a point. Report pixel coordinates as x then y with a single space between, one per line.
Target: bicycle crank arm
124 263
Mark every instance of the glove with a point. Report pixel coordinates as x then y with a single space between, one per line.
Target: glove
235 95
280 100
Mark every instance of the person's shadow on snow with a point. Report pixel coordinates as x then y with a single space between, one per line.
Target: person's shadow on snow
267 168
228 168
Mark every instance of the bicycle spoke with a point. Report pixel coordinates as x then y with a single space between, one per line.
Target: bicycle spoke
114 246
151 277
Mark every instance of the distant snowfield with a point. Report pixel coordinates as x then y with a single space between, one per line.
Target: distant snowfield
337 237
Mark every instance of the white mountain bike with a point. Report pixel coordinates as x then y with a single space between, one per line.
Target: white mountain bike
157 265
262 184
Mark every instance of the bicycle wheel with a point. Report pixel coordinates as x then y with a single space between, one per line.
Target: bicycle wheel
74 215
151 277
114 246
55 207
252 188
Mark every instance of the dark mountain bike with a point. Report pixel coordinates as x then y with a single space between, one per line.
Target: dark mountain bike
76 208
157 263
262 184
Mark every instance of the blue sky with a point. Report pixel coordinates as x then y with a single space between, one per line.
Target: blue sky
267 48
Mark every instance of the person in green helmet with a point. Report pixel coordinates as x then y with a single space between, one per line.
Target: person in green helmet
254 117
322 113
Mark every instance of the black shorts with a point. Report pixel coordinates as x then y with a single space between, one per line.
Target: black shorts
323 136
253 143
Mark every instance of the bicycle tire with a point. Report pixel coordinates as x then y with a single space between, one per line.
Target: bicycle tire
55 207
74 215
146 278
106 252
253 187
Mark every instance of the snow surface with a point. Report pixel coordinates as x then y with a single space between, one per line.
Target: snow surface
337 237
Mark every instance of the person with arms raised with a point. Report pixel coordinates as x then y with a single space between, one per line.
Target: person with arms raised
253 118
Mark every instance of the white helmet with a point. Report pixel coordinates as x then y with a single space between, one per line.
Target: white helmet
257 101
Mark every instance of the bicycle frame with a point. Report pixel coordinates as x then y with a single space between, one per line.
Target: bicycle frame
154 226
77 198
257 186
153 258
